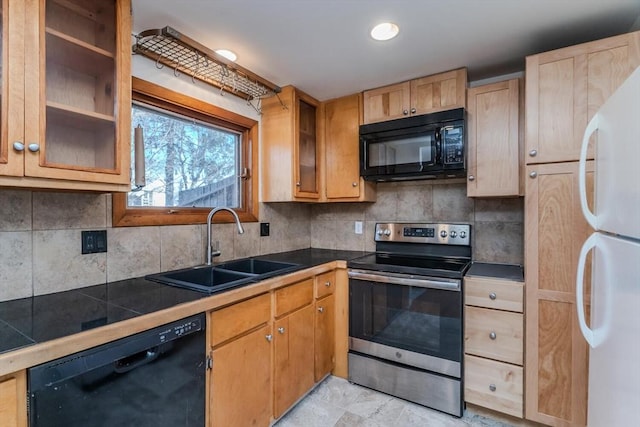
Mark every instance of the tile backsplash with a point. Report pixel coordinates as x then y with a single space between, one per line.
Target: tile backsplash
40 233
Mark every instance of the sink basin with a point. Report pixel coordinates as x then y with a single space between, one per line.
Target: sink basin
204 279
215 278
257 266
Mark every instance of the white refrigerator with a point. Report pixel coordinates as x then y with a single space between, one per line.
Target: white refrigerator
613 332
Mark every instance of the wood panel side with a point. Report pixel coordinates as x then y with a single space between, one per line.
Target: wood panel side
13 399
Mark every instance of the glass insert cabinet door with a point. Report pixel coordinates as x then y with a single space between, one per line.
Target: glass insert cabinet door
81 91
306 181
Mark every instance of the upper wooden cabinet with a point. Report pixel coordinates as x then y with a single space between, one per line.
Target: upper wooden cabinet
66 94
494 140
341 151
565 87
290 147
429 94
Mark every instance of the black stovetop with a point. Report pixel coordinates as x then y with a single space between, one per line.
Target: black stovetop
453 268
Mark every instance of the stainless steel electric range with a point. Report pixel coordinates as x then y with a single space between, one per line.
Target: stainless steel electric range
405 313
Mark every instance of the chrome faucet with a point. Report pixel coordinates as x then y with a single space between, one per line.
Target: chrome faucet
210 252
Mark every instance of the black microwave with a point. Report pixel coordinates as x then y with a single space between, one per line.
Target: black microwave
428 146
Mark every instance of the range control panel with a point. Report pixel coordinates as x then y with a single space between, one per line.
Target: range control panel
445 234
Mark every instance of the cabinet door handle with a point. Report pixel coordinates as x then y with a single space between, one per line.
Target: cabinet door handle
413 111
471 177
327 283
268 337
493 335
533 153
405 112
492 387
34 148
493 296
298 184
281 330
321 309
354 184
18 146
533 174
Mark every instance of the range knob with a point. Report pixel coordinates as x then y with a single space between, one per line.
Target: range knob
387 232
463 234
453 233
379 232
443 233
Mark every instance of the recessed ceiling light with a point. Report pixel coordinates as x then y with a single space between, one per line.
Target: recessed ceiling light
227 54
384 31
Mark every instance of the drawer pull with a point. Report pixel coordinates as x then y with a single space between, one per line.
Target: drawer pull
281 330
327 283
321 309
492 387
492 296
492 335
268 337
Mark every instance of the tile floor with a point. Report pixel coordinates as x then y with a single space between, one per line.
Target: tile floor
337 403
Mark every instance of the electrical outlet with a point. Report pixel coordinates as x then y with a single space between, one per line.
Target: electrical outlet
264 229
358 227
94 241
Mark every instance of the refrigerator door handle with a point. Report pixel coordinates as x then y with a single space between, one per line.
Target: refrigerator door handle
582 171
600 332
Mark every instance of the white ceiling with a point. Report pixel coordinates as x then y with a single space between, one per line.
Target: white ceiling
323 46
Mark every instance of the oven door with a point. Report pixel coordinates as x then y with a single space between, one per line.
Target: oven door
408 320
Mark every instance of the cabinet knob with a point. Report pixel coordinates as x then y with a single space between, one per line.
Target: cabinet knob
354 184
533 153
298 184
18 146
34 148
471 177
405 112
321 309
268 337
533 174
413 111
281 330
492 387
492 296
327 283
492 335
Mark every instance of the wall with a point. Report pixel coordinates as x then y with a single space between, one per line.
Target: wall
497 224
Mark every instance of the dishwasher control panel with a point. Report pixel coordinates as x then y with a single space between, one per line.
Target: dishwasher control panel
179 329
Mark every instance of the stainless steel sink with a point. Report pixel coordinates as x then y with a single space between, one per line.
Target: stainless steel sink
216 278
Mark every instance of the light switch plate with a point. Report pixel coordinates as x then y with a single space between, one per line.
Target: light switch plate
358 227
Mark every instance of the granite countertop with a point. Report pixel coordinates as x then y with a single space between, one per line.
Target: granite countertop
501 271
29 321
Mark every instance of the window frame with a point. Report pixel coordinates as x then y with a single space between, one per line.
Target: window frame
165 99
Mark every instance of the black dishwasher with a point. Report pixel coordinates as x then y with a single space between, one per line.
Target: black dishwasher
153 378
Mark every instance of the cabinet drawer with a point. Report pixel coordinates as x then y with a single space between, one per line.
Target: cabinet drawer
293 297
494 385
494 334
494 293
325 284
239 318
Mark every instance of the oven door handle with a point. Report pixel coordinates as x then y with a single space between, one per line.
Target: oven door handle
408 281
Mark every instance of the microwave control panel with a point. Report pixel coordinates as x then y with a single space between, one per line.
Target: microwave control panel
453 144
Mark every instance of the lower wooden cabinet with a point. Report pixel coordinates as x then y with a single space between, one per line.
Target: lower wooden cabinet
293 358
241 381
494 344
13 400
324 337
240 385
268 351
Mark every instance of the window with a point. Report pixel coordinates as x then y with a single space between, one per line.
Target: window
197 156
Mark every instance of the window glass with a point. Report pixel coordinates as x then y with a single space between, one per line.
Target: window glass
187 163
